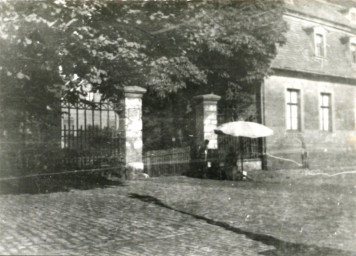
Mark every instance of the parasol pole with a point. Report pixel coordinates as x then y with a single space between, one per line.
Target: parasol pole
241 153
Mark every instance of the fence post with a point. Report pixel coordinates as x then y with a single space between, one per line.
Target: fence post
131 129
147 163
173 159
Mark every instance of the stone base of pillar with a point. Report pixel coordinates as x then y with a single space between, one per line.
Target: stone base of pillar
117 174
134 171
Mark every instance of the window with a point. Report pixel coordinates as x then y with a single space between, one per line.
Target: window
293 110
325 112
320 42
353 52
319 45
353 16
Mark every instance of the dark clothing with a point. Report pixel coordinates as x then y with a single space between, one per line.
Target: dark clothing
231 159
203 153
203 160
231 169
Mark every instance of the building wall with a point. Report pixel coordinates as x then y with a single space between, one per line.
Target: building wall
298 67
299 51
325 149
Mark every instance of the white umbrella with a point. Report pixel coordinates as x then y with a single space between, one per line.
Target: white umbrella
244 129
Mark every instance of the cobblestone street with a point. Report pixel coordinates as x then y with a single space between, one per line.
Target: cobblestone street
183 216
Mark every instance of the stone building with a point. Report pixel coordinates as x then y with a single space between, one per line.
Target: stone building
310 101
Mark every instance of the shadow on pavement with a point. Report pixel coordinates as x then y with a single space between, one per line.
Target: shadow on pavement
282 248
51 184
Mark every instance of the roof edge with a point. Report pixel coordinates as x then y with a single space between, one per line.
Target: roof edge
315 75
290 10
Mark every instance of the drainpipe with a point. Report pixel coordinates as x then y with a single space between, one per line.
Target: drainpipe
262 119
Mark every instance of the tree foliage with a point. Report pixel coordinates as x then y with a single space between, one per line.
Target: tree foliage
57 50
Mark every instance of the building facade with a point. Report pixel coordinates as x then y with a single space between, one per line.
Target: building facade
310 101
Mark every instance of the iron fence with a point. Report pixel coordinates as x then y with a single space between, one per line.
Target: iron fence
83 136
249 148
90 134
167 162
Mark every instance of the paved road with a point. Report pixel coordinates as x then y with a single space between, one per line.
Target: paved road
181 216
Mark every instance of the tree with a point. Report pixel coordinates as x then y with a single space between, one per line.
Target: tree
61 50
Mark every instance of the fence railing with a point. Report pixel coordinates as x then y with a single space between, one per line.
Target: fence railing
86 135
168 162
250 148
90 134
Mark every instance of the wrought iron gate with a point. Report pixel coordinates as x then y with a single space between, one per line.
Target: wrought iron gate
90 135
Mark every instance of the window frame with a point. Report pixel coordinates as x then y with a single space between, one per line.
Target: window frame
352 15
319 31
353 50
289 112
322 109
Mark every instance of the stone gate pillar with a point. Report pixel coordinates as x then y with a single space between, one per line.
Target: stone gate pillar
206 119
131 127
